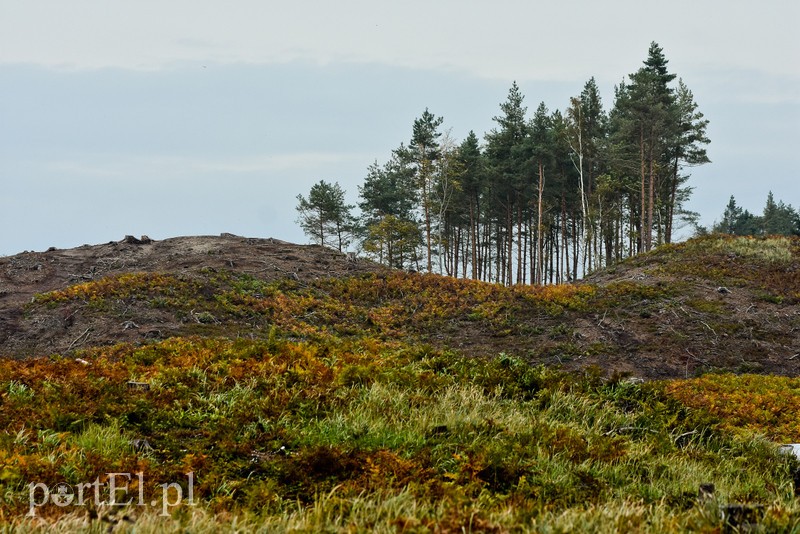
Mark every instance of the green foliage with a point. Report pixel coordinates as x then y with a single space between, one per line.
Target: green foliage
365 434
335 411
548 198
777 219
325 217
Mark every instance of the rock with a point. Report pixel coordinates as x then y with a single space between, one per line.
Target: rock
790 448
129 239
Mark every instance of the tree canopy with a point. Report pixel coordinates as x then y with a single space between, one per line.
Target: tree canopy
543 198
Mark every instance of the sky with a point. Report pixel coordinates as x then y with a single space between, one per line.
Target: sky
196 117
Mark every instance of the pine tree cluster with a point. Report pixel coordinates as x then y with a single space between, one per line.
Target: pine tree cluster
542 199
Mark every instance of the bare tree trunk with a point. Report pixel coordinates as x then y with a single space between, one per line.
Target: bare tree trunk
673 195
564 237
650 203
574 247
473 239
531 247
643 192
520 255
426 200
540 227
509 275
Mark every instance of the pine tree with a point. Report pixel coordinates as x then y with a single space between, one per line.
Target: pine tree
423 152
388 190
779 218
325 215
685 149
730 218
544 194
647 117
473 188
389 229
542 148
507 161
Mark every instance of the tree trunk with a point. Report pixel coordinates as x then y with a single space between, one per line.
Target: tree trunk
426 207
650 202
509 274
643 192
540 228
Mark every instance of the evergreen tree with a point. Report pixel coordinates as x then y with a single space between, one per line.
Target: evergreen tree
685 150
779 218
541 141
544 195
473 189
423 153
648 117
389 229
324 215
730 218
388 190
507 160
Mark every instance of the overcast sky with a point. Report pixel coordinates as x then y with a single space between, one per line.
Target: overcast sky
180 117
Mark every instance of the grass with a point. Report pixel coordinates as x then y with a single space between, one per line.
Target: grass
334 414
288 436
769 249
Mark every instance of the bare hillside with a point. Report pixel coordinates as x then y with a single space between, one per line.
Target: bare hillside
705 305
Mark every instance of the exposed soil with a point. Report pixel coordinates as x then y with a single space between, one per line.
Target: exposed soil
25 275
696 322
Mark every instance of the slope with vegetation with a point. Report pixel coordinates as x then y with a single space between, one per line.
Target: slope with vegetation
387 401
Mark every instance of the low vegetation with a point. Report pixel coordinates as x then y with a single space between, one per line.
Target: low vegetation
364 434
345 405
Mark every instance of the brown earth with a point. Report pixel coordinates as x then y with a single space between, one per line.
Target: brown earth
672 313
25 275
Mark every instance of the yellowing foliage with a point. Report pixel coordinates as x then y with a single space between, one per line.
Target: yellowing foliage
769 405
117 286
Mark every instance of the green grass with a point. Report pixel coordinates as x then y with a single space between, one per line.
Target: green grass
285 437
333 415
768 249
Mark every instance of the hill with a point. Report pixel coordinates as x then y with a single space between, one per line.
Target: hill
710 304
291 389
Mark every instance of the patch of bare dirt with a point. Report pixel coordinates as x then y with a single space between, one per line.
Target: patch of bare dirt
27 274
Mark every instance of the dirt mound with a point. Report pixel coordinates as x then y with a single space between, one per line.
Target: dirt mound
23 276
706 305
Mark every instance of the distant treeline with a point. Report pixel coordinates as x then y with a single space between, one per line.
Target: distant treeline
541 199
777 219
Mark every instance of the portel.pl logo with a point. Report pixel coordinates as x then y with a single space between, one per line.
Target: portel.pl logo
113 492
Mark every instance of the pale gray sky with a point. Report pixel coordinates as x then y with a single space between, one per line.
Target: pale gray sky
188 117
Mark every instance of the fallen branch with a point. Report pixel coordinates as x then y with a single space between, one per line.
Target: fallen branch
85 332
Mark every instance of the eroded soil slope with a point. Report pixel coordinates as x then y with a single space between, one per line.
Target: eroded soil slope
709 304
26 329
